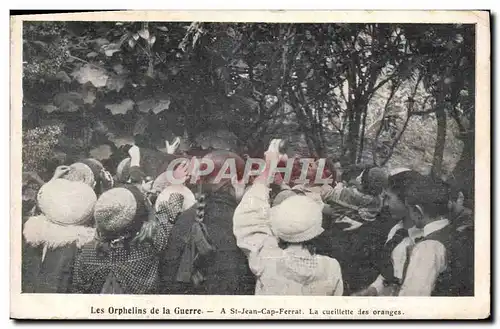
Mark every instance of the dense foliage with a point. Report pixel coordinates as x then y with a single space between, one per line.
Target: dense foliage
391 94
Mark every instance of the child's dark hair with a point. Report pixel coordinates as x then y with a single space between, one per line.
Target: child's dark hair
431 194
370 187
310 245
400 182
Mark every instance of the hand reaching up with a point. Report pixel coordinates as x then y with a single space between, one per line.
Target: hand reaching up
135 155
60 172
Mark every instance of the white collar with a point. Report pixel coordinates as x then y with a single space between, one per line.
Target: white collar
413 232
435 226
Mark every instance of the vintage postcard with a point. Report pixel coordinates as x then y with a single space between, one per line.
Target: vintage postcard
250 165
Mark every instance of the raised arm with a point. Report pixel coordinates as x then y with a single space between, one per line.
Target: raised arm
251 222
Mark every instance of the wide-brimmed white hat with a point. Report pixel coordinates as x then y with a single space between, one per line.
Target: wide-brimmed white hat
66 202
81 172
297 219
164 196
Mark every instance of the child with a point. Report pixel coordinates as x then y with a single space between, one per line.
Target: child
124 257
52 239
442 262
278 242
202 256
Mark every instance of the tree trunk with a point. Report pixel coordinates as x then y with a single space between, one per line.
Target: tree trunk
353 133
463 173
362 138
437 161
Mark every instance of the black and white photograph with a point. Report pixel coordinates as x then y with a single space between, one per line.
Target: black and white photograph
184 158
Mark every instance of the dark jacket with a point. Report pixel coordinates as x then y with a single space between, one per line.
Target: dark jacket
228 272
357 251
49 253
458 278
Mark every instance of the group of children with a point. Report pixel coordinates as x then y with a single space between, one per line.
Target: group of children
376 233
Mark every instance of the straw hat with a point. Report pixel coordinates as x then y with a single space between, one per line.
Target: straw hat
120 210
66 202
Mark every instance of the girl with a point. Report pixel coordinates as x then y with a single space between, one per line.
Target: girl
53 238
278 242
124 256
218 267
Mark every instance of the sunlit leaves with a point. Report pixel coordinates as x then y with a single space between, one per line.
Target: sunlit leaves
100 42
121 108
49 108
120 69
88 96
110 49
162 28
91 73
115 82
154 105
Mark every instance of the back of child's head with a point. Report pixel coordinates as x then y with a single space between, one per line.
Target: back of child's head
399 183
431 194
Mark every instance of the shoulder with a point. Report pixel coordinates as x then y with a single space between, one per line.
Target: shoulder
332 265
429 247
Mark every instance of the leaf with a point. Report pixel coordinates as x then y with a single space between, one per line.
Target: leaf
68 106
74 97
89 96
144 33
92 54
240 64
68 102
121 108
110 49
152 40
101 42
163 104
146 105
174 69
140 126
116 83
162 76
61 75
162 28
154 105
135 36
90 73
119 69
131 43
230 32
49 108
310 74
